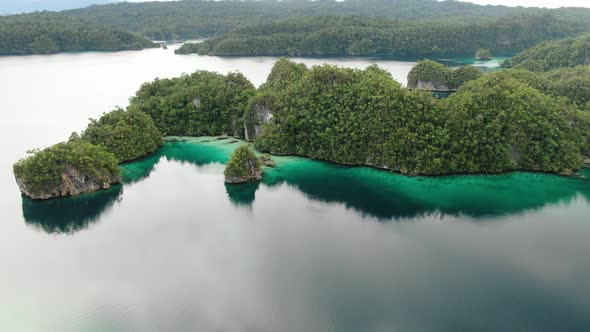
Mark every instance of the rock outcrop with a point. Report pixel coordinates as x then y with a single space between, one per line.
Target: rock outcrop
266 160
73 182
243 166
258 115
255 174
432 86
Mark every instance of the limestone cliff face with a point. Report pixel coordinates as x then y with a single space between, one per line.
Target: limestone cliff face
73 182
432 86
260 115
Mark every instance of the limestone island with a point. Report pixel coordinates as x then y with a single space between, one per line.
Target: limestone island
88 162
65 169
243 166
483 55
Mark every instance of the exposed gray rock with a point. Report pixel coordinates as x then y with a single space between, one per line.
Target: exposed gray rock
253 125
73 182
197 102
432 86
255 174
266 160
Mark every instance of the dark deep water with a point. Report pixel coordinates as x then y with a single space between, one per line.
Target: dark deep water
313 247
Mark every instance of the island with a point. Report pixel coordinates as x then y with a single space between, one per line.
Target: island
325 27
48 33
483 55
64 169
243 166
567 52
370 36
88 162
509 120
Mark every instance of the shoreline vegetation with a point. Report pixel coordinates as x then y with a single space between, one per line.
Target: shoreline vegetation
297 27
364 36
500 122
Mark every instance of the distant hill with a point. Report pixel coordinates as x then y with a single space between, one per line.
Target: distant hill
26 6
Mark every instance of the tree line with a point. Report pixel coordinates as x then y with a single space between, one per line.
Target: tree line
124 25
46 33
509 120
567 52
355 35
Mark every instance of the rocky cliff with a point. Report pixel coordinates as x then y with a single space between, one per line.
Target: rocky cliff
73 182
255 117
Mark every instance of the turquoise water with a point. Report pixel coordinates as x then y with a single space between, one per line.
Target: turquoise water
370 192
322 247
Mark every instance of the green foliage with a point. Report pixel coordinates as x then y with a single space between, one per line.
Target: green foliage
196 19
127 134
464 74
493 124
292 27
573 83
45 33
355 35
190 48
498 124
283 74
483 55
440 76
242 163
429 71
44 169
203 103
568 52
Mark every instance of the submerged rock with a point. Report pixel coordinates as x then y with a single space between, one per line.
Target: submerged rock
73 182
266 160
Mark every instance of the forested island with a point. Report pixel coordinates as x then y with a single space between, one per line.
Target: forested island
88 162
510 120
352 27
567 52
47 33
355 35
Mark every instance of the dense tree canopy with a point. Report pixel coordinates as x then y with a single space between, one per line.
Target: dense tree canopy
242 166
355 35
127 134
396 27
45 33
493 124
203 103
44 169
440 77
568 52
483 55
190 19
